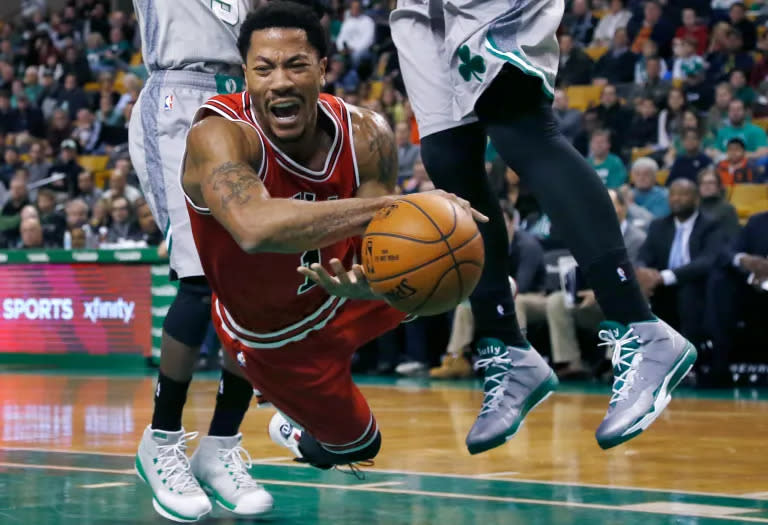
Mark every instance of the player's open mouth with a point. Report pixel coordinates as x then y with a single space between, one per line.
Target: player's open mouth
285 111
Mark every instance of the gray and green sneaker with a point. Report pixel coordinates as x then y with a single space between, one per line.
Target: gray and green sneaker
649 361
516 380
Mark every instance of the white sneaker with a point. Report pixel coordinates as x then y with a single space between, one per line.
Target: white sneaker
221 466
163 465
285 434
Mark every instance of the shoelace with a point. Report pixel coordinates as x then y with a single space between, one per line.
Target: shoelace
354 468
494 394
624 359
238 461
173 459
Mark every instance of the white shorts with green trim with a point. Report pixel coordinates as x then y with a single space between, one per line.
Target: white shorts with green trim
451 50
157 136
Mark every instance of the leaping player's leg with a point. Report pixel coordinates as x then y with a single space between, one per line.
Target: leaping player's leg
157 131
650 358
453 154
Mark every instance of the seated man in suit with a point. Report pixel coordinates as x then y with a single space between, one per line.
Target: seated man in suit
675 261
738 292
585 313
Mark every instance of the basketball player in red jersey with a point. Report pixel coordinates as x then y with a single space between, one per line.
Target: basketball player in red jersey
279 177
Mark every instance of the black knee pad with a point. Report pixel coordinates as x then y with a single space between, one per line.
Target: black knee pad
317 456
190 313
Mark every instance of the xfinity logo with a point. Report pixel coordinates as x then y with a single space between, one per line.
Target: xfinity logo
97 309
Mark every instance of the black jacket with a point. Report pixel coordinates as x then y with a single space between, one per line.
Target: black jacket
703 246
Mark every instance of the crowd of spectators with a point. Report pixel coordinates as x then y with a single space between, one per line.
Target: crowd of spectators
682 89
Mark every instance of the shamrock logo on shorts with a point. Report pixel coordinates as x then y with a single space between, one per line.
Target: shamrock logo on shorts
470 65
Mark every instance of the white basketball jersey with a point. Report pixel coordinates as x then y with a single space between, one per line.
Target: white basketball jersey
196 35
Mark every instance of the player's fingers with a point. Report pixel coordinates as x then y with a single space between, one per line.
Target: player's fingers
338 269
324 279
359 273
479 217
306 272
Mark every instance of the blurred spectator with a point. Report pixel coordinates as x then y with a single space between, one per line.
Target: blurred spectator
608 166
394 109
717 117
712 202
752 136
78 239
736 167
72 98
32 87
150 233
645 126
670 122
688 66
53 222
10 121
526 266
742 91
97 21
575 66
585 312
18 197
652 27
616 17
76 213
580 23
59 130
99 220
691 160
740 22
617 65
652 84
614 117
692 29
591 123
87 132
119 50
48 99
569 120
647 194
31 233
37 166
66 169
31 119
721 63
736 298
337 77
75 63
419 181
357 33
87 190
11 163
676 259
407 153
119 187
636 214
122 227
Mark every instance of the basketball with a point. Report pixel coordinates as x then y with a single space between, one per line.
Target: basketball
423 253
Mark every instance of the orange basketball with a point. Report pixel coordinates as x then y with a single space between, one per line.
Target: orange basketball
423 253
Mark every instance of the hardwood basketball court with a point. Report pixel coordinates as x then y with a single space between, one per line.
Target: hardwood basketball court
67 443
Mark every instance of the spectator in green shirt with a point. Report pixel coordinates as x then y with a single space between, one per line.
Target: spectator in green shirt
607 165
753 136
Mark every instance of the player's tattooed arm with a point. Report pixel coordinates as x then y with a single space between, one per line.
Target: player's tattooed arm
219 175
376 153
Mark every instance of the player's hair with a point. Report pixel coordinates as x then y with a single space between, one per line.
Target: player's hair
283 14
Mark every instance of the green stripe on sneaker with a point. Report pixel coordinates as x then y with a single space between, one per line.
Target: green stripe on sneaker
143 476
221 501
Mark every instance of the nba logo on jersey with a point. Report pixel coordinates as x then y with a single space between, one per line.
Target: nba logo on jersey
622 275
241 358
168 104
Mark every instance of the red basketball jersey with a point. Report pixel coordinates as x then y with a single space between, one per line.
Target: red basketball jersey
261 298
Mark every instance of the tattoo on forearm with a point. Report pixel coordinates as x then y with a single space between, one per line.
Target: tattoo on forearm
231 181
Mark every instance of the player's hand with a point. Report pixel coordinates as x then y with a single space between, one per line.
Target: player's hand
351 284
588 298
479 217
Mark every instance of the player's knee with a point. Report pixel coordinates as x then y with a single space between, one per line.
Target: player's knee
317 455
190 313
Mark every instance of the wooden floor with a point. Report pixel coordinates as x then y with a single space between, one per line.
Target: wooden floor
67 442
